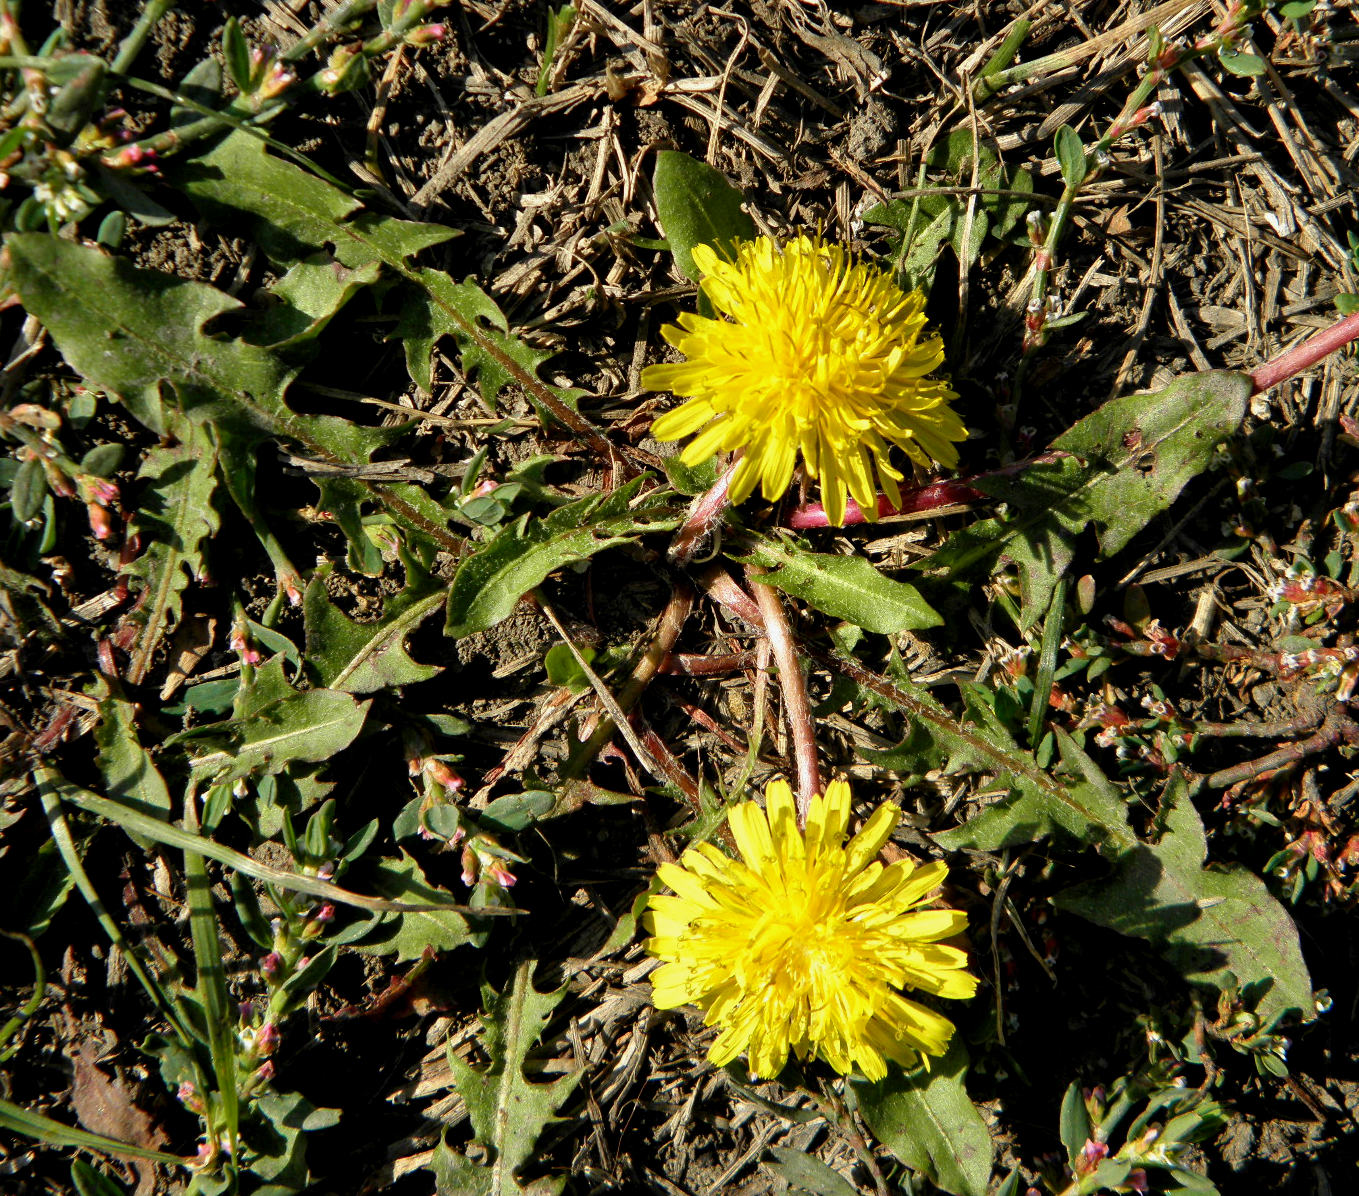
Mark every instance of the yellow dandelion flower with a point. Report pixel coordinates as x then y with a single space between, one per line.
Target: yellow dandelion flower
804 944
818 353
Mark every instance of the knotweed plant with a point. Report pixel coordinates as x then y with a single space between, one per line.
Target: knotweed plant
804 944
817 354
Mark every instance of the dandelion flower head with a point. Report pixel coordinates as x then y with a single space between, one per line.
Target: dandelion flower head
818 353
804 944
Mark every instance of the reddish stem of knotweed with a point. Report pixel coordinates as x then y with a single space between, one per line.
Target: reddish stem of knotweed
704 512
794 686
1305 355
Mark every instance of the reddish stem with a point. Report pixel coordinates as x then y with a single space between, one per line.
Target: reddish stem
923 498
704 512
796 707
1307 354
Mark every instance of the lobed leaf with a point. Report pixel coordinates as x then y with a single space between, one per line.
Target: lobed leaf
928 1122
364 658
845 587
174 517
1119 467
297 217
292 213
127 331
274 726
410 932
508 1111
490 582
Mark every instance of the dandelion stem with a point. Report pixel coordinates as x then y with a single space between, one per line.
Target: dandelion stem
795 704
704 513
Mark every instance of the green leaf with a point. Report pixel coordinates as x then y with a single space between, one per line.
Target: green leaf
1242 64
210 987
844 587
491 354
1116 470
174 517
559 22
563 668
508 1111
697 206
90 301
275 726
27 491
363 658
1039 804
1075 1123
408 934
804 1173
490 582
1216 926
281 1149
128 772
305 300
1207 922
88 1182
236 51
292 214
1070 156
928 1122
925 222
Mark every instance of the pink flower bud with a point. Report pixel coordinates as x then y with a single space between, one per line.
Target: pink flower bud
425 35
100 523
439 771
266 1041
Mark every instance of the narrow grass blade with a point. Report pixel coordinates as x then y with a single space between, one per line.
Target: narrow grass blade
50 787
173 836
212 993
19 1120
